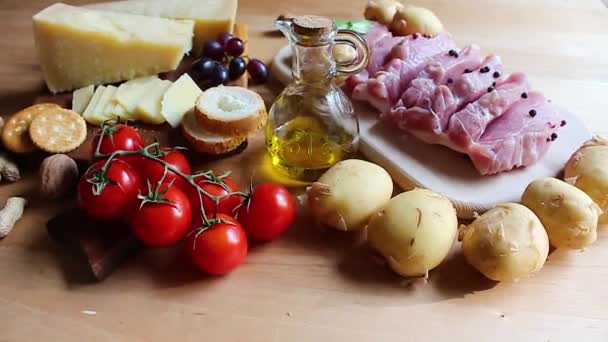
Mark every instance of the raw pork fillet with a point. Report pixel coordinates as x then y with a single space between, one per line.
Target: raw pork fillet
520 137
380 41
448 66
467 126
466 89
414 111
407 59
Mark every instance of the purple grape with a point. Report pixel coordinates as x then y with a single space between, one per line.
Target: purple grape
219 75
223 38
257 70
203 68
235 47
237 67
213 50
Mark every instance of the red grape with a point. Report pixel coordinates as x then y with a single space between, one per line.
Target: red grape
257 70
237 67
202 68
213 50
235 47
223 38
219 75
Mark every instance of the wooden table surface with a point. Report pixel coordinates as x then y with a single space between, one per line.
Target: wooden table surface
315 285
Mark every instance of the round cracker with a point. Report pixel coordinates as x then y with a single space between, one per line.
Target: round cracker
58 131
15 135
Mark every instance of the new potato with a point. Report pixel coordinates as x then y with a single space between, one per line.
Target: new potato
412 19
567 213
506 243
587 169
414 231
349 193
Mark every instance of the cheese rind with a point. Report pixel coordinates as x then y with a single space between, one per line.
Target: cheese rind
211 17
179 99
78 46
148 109
81 98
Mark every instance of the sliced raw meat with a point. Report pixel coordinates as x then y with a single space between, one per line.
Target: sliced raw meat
467 126
520 137
380 42
443 70
447 99
408 58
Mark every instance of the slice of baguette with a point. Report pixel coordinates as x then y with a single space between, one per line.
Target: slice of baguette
231 110
204 141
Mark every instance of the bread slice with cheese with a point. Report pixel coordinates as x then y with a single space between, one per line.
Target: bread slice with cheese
204 141
230 110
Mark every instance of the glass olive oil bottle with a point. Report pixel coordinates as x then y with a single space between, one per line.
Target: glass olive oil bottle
312 124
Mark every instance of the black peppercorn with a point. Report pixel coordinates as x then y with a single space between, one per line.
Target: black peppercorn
493 84
496 74
563 123
484 70
490 89
532 112
453 53
450 81
553 136
524 95
466 71
415 36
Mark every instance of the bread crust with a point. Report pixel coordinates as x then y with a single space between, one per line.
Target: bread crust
252 122
226 145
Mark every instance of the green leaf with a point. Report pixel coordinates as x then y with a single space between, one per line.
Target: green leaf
359 26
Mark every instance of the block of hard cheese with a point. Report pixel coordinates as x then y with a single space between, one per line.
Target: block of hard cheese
78 46
211 17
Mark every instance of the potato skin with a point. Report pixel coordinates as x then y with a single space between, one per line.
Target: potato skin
506 243
569 216
414 231
587 169
381 11
412 19
347 194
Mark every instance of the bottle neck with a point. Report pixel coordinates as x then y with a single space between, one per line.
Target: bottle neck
313 64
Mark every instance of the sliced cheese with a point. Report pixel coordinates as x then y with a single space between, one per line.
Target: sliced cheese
211 17
97 116
179 99
148 110
94 101
78 46
129 93
119 111
81 98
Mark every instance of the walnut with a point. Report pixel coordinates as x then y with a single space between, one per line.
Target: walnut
58 174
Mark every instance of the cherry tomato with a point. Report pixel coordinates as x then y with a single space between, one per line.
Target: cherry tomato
220 248
120 137
270 211
153 171
163 224
226 205
117 198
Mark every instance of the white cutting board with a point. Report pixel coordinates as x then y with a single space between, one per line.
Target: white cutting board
412 162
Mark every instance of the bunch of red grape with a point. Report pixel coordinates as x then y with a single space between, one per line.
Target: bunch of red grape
222 61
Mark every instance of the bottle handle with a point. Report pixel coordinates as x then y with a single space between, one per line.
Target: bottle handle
357 42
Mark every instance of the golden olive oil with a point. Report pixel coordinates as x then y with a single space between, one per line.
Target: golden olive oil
304 148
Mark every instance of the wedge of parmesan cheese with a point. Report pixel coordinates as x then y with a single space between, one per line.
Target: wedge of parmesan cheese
211 17
78 47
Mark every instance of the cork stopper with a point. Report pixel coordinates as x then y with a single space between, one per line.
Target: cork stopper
312 25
